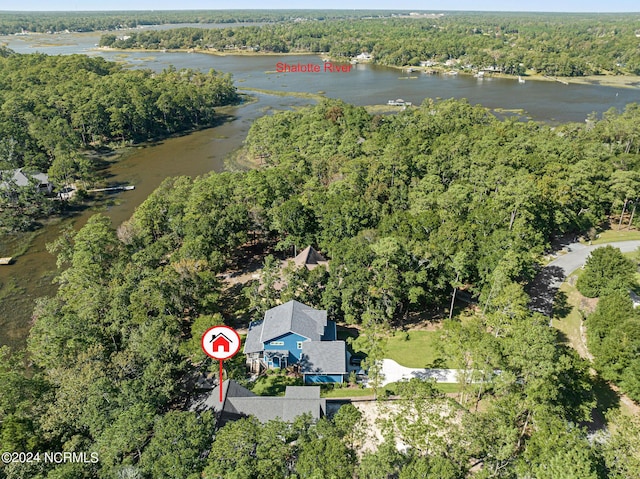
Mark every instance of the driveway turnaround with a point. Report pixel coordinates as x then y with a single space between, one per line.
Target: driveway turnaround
393 372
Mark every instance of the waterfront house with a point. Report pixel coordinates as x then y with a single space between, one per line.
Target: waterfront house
294 334
21 178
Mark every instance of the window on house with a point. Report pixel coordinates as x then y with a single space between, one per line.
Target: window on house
277 343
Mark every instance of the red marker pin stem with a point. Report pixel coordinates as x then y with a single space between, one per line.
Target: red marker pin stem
220 342
220 381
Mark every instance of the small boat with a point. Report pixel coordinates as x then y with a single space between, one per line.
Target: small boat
7 260
398 102
520 79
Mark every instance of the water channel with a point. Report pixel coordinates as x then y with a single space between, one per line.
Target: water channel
204 151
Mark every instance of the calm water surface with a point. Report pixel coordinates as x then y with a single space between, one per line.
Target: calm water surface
201 152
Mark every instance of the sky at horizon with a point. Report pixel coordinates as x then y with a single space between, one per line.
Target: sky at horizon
465 5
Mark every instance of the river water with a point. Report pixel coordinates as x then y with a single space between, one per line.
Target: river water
204 151
364 85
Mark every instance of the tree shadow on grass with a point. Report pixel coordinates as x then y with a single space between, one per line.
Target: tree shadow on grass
543 289
606 399
561 306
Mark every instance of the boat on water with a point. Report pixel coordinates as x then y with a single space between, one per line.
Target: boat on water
398 102
520 79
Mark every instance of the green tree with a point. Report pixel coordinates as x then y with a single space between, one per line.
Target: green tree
559 450
421 415
605 268
323 441
233 451
383 463
371 342
621 449
187 436
349 424
435 467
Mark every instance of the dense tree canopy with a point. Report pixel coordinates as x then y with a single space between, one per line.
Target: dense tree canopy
613 334
57 22
54 105
407 208
54 109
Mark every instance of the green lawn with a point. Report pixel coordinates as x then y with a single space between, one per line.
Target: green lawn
415 349
389 389
346 392
274 384
615 235
449 387
567 316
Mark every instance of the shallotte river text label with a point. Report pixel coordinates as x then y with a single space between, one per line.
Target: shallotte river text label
327 67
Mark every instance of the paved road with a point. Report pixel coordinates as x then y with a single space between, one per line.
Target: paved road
543 289
578 254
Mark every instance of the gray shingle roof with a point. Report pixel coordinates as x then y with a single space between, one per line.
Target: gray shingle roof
239 401
252 343
292 317
20 178
212 400
323 357
269 408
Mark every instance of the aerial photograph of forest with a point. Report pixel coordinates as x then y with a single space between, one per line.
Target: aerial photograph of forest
383 240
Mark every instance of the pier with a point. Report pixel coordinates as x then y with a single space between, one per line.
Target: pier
113 188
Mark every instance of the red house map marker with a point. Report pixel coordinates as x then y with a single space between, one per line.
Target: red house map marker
220 342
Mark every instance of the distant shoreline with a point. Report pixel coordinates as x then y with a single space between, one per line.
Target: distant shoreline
207 52
619 81
615 81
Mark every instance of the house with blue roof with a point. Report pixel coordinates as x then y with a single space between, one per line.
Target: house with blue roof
294 334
